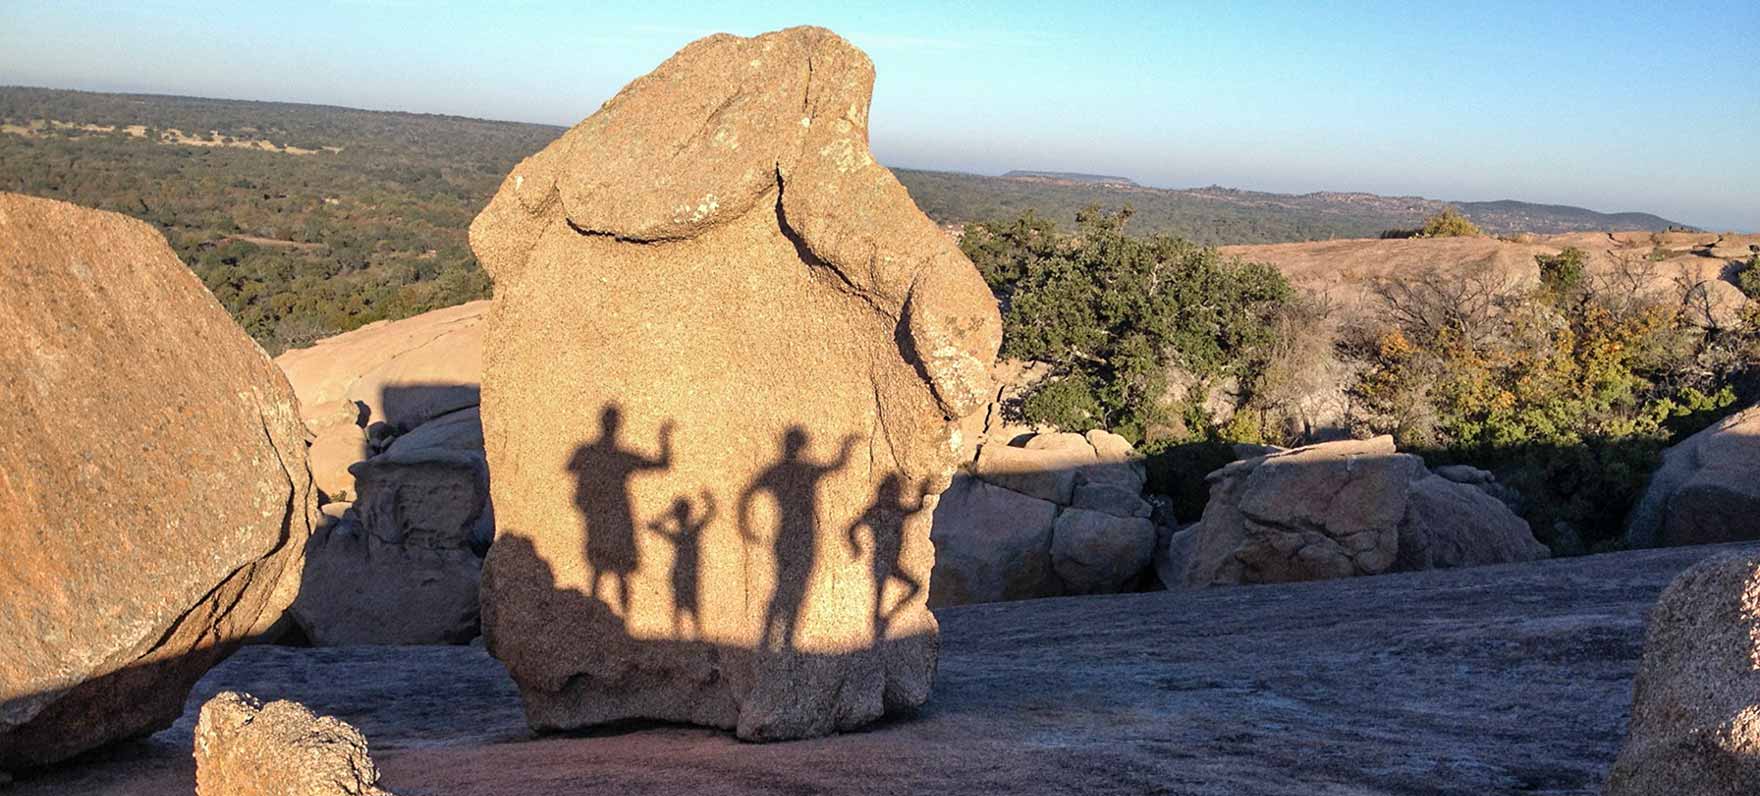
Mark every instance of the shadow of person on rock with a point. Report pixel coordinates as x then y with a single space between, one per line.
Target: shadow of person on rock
884 519
603 472
794 482
685 532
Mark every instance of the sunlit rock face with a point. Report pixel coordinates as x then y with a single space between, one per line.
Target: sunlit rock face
154 492
721 381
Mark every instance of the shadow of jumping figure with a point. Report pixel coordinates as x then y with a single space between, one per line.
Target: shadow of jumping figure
884 519
603 472
686 536
794 482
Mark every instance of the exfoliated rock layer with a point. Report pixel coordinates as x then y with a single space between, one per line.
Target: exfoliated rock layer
1696 705
722 377
154 493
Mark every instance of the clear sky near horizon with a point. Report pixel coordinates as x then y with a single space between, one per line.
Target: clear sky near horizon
1607 105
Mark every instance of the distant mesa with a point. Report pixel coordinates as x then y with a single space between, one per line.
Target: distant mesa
1072 177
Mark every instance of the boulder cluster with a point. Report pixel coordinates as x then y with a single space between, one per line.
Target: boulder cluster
1341 509
397 452
1058 514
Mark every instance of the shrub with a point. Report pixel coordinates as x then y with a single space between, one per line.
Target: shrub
1112 313
1568 391
1449 223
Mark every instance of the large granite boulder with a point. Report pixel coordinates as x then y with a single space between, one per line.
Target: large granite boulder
1707 490
721 380
154 494
246 748
1335 510
1057 514
1695 724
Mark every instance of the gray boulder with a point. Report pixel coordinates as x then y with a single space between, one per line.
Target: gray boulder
1057 514
1707 490
1339 509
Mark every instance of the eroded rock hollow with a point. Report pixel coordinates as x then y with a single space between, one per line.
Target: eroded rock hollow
721 381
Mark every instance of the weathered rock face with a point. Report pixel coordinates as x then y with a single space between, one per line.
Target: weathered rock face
1707 490
397 434
154 494
720 383
1695 724
1335 510
1059 514
1464 682
244 748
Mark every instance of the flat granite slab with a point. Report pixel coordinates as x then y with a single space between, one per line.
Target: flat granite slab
1506 679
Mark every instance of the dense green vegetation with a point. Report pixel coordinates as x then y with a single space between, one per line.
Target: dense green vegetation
297 247
1114 314
1567 389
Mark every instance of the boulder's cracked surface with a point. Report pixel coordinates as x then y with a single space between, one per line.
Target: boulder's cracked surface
721 380
154 493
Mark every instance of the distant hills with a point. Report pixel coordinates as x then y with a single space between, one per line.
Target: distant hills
1217 215
309 220
1072 177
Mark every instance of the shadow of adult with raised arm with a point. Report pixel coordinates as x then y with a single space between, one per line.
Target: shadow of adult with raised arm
884 519
794 482
602 472
685 532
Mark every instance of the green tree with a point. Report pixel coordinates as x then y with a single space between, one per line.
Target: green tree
1111 313
1449 223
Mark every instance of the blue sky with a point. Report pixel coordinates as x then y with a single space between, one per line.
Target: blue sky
1608 105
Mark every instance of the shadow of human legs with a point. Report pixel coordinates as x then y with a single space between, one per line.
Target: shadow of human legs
793 482
884 519
684 530
603 471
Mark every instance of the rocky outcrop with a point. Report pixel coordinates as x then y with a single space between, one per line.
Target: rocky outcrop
1059 514
1695 724
397 436
1707 489
1335 510
154 493
246 748
1463 682
726 357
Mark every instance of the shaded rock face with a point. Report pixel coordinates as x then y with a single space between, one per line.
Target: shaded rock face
397 435
246 748
721 379
1695 724
1059 514
1335 510
154 493
1465 682
1707 490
